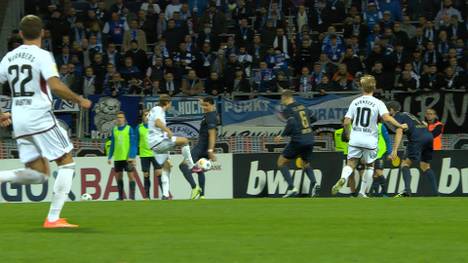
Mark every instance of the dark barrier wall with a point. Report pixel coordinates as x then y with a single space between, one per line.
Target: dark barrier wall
255 175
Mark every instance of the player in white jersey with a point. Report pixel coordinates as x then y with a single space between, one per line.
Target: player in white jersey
362 117
161 141
32 75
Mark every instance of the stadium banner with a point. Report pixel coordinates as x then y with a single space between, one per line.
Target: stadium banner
451 107
184 117
249 131
96 177
256 175
104 111
328 109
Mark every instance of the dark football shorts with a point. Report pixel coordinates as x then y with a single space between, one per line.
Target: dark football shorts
418 151
120 166
294 150
146 163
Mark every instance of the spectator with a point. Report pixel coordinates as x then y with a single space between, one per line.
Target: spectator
317 75
418 41
156 71
334 51
78 31
456 29
139 58
239 84
66 76
47 43
372 15
431 81
89 83
119 8
406 82
302 18
191 84
170 86
387 21
214 85
134 34
429 31
112 56
116 86
304 55
148 23
407 27
174 6
325 85
448 10
384 79
150 4
443 44
452 80
262 78
393 7
245 59
115 28
173 35
244 34
306 81
64 57
268 34
215 18
431 56
400 35
232 66
129 70
352 61
418 62
206 36
280 83
182 58
99 69
343 78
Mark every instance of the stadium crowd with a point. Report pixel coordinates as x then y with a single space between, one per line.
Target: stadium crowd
218 47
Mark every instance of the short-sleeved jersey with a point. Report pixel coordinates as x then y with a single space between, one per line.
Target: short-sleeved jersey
364 113
210 121
298 124
155 134
416 131
27 69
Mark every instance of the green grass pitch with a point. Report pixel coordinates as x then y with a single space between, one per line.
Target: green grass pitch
248 230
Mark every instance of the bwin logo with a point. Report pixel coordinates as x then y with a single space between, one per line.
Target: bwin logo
274 182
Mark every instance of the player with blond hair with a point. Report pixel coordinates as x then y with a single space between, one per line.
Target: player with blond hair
361 128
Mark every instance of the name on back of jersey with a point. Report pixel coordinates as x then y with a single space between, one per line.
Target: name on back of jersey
362 129
23 102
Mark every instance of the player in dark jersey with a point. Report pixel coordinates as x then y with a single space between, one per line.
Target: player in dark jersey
299 128
204 147
419 149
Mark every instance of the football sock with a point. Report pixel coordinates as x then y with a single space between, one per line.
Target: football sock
188 156
366 180
62 187
201 182
165 182
346 172
383 183
187 174
310 173
147 184
375 185
23 176
131 185
287 176
406 178
120 188
431 176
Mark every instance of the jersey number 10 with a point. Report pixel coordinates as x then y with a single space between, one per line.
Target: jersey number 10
17 71
362 117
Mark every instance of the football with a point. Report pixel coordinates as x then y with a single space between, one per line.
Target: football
205 164
86 197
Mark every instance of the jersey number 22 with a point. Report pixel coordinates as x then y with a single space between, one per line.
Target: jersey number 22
16 71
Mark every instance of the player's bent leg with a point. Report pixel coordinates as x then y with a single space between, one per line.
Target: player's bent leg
345 174
429 173
187 173
315 188
62 187
184 142
36 172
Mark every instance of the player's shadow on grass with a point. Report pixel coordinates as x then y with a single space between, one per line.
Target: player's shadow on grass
80 230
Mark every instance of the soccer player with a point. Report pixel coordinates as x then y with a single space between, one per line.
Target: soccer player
419 149
363 114
146 154
299 128
204 147
161 141
384 149
32 75
123 150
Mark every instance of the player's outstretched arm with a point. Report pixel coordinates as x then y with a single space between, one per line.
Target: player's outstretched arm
346 128
211 143
60 89
388 118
